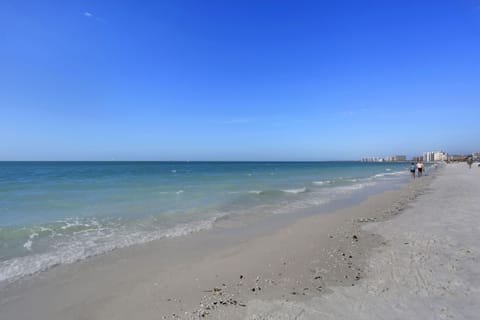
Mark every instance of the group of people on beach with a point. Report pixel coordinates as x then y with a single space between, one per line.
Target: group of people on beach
416 168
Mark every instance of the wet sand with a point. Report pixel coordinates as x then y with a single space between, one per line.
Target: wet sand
285 274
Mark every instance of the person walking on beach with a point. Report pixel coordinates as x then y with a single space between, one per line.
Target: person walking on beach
412 170
420 168
469 162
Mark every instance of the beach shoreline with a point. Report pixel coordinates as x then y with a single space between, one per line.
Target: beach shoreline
212 273
61 213
427 266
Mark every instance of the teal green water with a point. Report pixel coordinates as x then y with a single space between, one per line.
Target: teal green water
61 212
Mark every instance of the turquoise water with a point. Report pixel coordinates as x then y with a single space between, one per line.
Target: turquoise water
61 212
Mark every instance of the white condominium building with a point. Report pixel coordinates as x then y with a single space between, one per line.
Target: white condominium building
431 156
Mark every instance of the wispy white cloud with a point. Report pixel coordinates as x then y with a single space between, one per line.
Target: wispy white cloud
90 15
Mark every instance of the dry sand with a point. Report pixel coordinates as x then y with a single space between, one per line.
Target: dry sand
422 264
428 267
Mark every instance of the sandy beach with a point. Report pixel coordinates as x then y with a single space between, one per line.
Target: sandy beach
410 253
427 266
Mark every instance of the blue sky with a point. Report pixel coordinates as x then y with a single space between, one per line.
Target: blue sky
238 80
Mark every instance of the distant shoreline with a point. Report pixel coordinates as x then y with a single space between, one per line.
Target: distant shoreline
205 161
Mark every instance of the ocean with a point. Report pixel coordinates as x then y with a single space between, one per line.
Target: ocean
55 213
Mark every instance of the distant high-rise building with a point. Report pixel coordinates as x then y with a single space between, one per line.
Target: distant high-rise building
380 159
428 156
440 156
399 158
372 159
432 156
457 157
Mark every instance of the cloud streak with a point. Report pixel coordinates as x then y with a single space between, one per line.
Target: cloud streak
90 15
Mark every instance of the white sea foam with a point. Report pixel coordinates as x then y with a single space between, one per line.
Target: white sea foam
348 189
354 187
321 183
87 243
295 191
387 174
69 224
28 244
320 198
291 206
